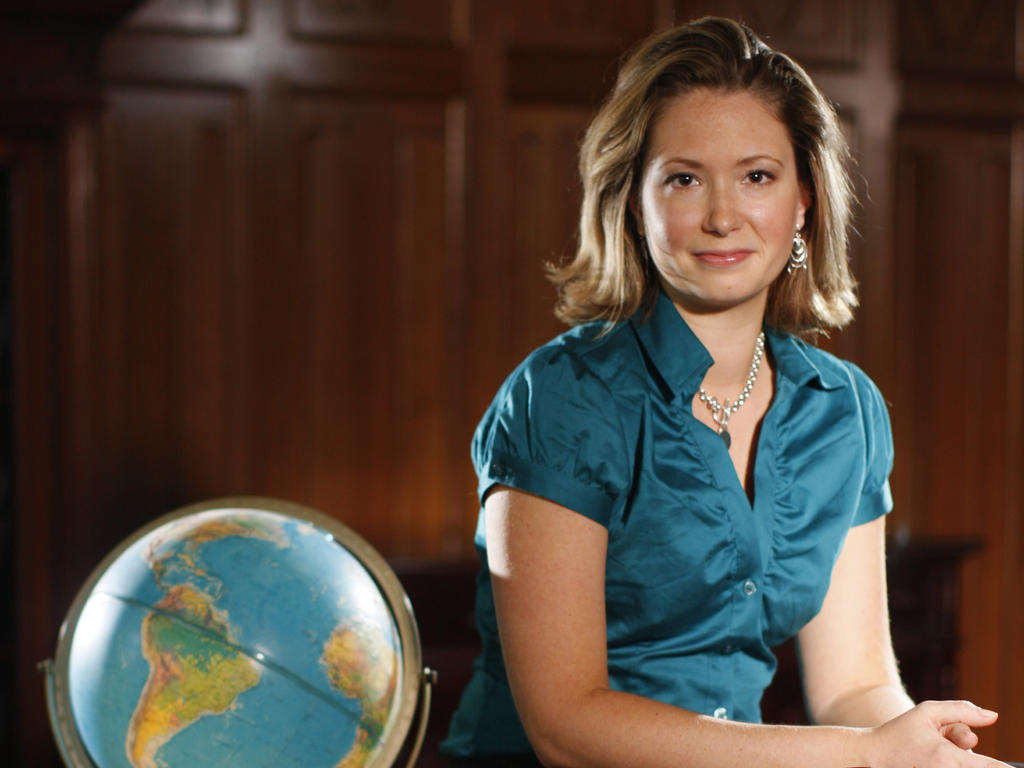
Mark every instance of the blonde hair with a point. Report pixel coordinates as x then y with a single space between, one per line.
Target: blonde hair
610 276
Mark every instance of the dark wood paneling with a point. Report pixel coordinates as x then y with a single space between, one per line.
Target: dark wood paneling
959 38
318 364
545 198
1011 543
380 261
814 33
436 20
217 17
263 52
951 405
92 18
559 76
574 24
168 318
32 172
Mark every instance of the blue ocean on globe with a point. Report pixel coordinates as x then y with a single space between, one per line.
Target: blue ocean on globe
234 637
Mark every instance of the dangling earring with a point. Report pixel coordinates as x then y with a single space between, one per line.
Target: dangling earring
798 254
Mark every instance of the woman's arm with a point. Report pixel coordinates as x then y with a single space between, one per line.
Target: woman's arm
547 572
849 668
847 662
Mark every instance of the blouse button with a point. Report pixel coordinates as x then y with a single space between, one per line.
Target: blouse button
721 713
749 587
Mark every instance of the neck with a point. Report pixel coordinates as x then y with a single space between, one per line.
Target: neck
729 337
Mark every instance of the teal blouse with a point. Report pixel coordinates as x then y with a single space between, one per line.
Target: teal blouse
699 583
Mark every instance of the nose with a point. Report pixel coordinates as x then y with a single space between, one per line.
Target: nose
722 215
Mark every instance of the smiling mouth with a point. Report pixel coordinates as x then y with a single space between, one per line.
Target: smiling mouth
723 258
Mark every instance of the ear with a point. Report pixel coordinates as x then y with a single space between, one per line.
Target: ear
806 198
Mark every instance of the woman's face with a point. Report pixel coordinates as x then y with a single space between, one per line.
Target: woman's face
719 199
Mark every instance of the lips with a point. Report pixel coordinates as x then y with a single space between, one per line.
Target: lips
723 258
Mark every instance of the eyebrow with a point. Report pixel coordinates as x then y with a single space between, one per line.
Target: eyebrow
742 161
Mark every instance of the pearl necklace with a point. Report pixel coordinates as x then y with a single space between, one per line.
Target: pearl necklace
721 412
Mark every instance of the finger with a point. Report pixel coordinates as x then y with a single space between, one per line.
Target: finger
960 734
949 712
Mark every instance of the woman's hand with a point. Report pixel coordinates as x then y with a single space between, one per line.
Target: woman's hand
961 735
937 734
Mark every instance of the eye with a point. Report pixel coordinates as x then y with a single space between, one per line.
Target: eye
760 176
681 180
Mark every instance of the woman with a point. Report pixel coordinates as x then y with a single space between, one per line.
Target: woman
680 482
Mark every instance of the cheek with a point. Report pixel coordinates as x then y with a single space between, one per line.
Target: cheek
777 223
668 223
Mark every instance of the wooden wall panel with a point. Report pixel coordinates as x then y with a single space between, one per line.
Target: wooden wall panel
380 207
190 16
952 405
959 37
346 273
35 230
413 20
319 367
544 210
168 308
1011 547
575 24
813 33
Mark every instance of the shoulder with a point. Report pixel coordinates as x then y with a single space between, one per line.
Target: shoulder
846 387
857 394
587 359
555 428
845 408
867 394
836 373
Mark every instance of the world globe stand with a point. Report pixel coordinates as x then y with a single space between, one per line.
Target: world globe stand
240 631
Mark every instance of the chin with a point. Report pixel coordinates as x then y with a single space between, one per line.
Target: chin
722 301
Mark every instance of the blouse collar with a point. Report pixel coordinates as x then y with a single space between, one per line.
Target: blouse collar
681 360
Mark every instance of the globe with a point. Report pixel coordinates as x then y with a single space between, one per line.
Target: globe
240 632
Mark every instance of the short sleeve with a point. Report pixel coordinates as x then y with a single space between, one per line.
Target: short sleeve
553 430
876 496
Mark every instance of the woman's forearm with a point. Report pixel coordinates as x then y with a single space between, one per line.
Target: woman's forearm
865 707
612 729
615 729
